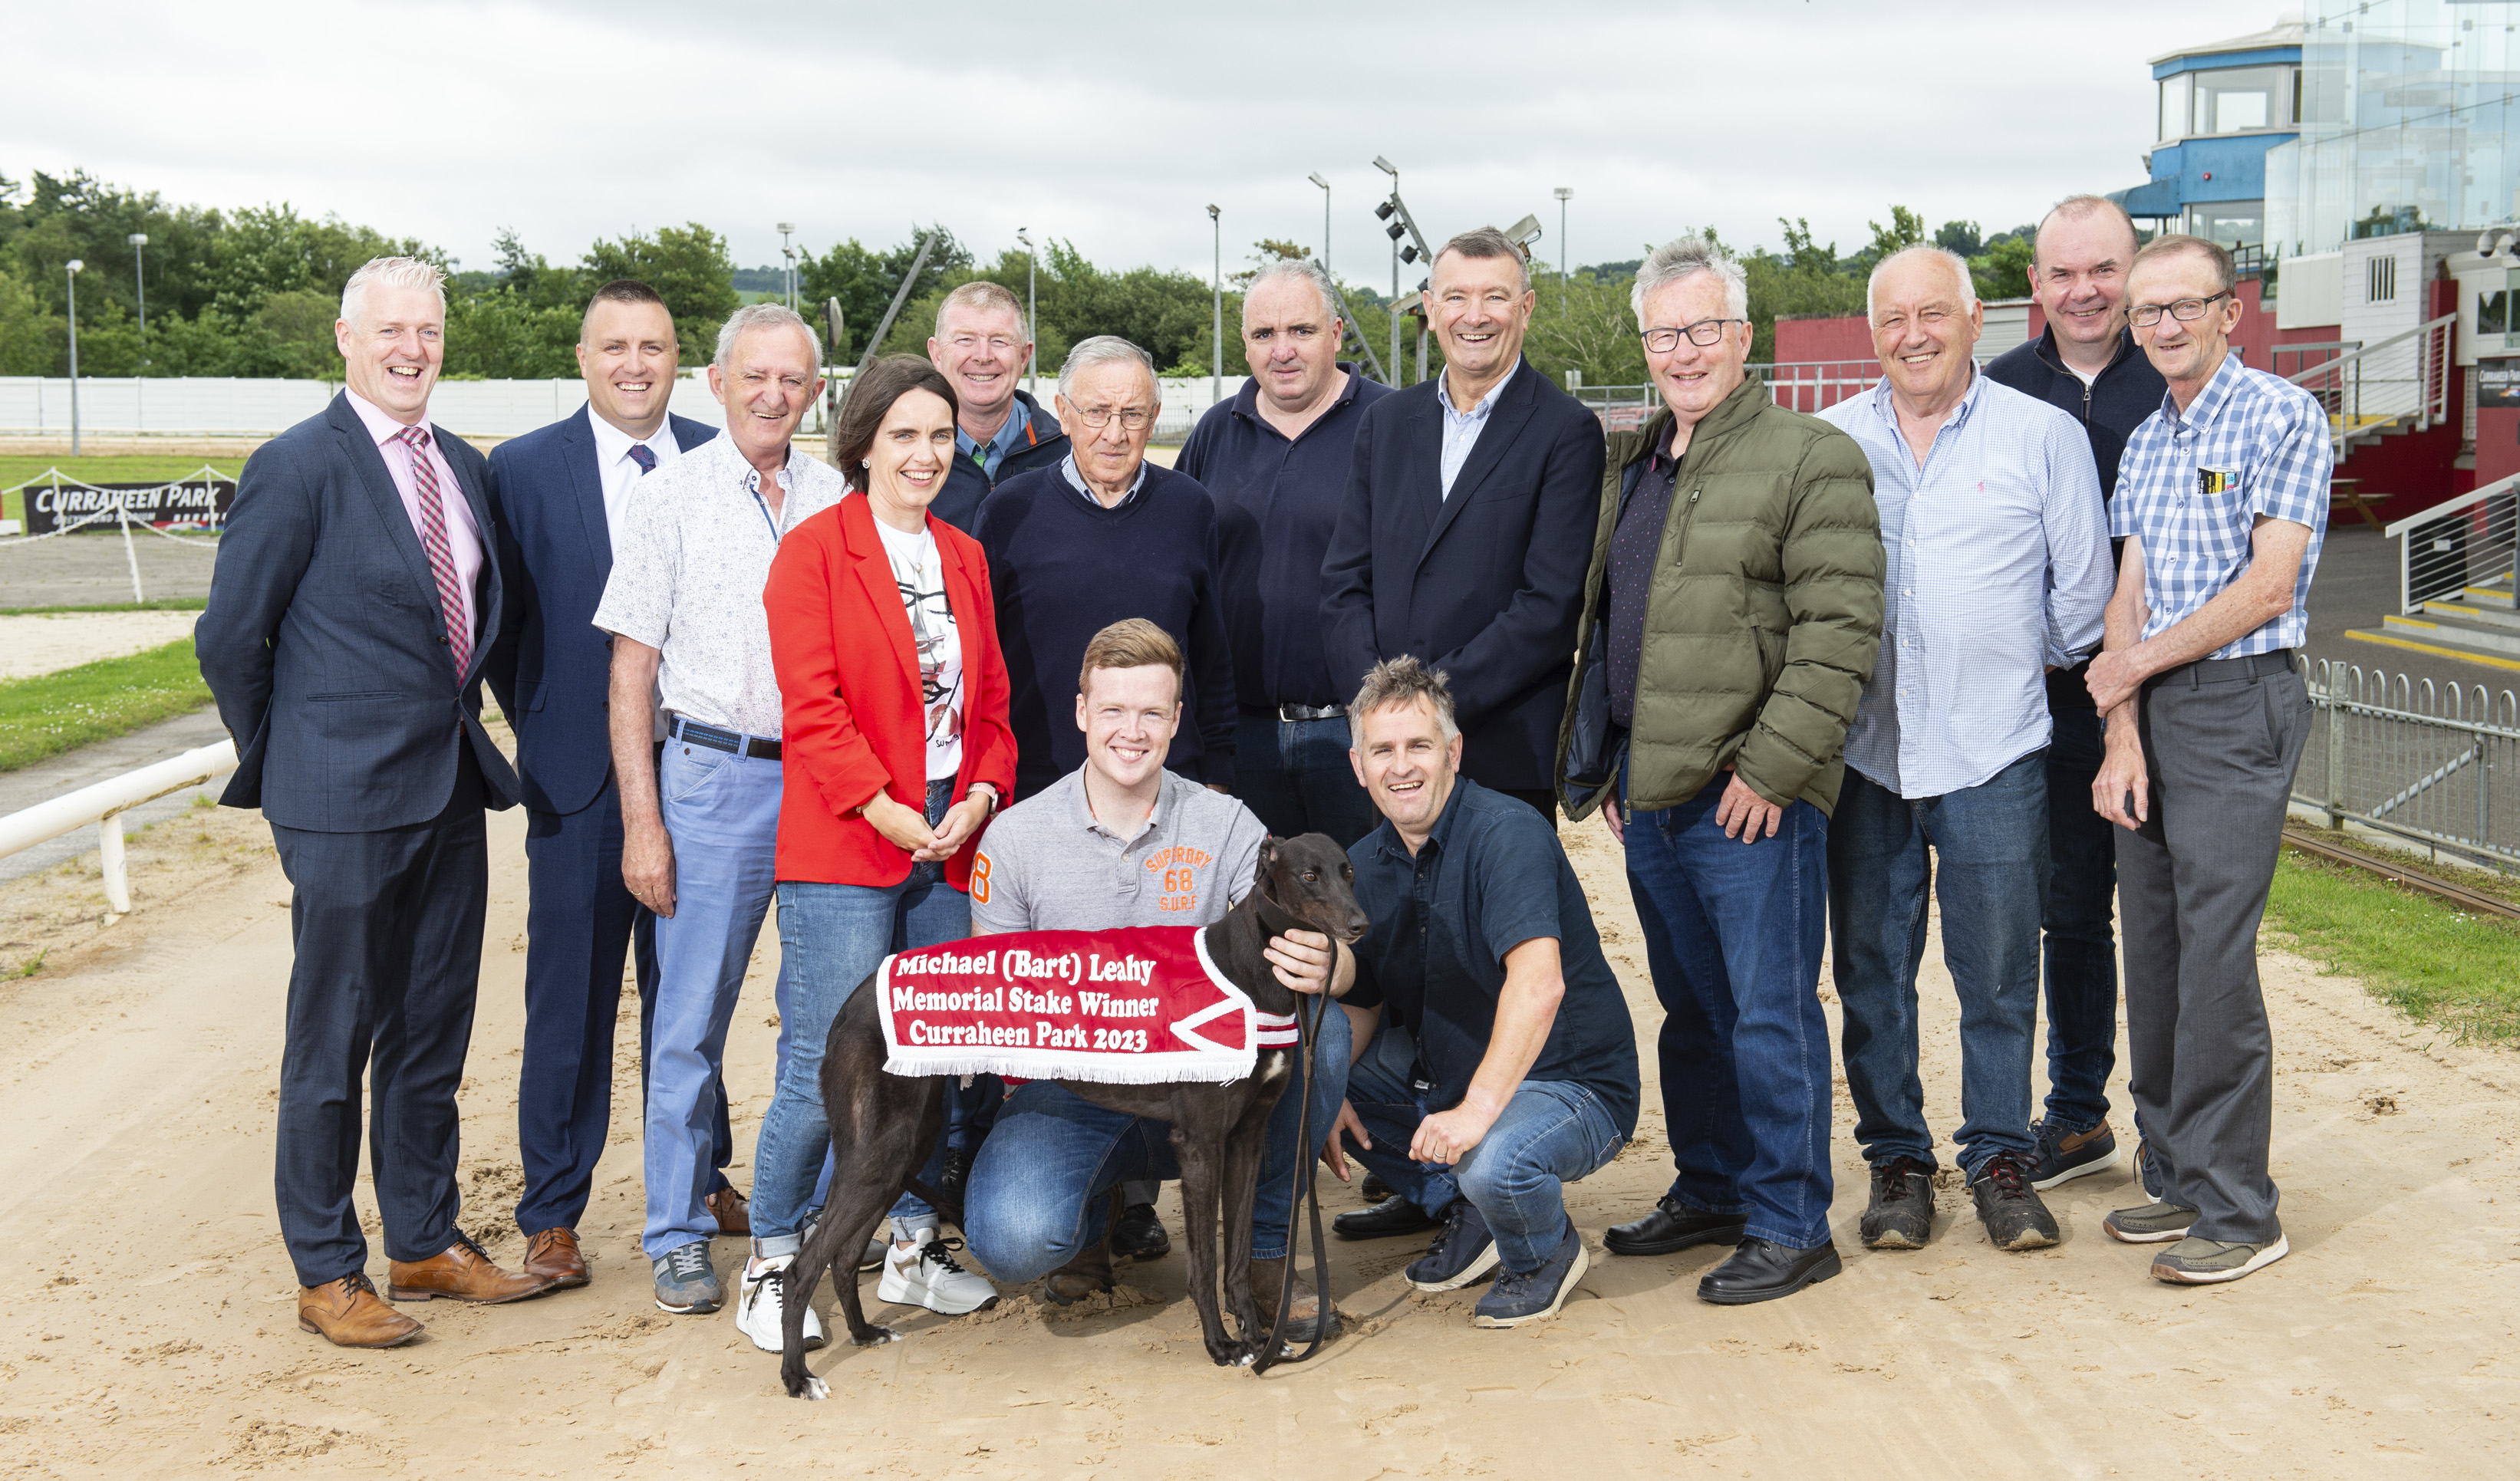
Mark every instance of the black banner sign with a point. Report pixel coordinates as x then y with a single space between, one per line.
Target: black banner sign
186 503
2497 384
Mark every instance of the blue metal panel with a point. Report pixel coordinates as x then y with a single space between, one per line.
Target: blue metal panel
2159 198
2216 60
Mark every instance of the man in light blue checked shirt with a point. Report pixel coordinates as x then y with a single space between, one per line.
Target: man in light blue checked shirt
1997 573
2222 502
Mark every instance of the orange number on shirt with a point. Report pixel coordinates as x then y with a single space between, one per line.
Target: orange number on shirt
980 878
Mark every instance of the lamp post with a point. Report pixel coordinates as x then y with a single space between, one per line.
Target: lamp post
1216 377
1395 231
1032 317
74 265
139 283
1316 178
787 229
1564 194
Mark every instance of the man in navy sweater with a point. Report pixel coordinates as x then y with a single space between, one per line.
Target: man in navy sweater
1275 460
2087 362
1102 536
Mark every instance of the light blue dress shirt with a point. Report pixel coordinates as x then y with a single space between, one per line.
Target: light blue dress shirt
994 455
1998 567
1076 480
1461 428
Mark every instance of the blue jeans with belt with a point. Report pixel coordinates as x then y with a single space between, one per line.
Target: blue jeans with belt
1551 1132
1295 778
831 938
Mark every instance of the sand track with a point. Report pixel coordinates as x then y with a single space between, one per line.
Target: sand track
150 1321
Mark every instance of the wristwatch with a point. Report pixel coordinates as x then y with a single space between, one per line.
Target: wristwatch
989 790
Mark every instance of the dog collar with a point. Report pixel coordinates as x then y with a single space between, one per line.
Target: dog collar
1274 1030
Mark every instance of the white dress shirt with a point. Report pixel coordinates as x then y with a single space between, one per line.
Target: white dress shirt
1461 428
463 535
613 457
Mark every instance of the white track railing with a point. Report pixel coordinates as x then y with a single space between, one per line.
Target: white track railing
103 805
2468 540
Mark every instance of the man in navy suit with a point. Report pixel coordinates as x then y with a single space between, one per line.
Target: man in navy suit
553 494
347 626
1468 525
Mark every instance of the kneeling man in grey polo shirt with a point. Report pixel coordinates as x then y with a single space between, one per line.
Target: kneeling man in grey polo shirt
1122 843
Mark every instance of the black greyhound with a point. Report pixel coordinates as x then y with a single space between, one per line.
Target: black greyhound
883 1124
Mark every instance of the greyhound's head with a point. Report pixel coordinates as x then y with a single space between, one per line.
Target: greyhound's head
1308 881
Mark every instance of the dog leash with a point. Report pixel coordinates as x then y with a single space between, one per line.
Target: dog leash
1307 1192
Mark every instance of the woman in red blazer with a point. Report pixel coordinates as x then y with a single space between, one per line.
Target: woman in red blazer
896 751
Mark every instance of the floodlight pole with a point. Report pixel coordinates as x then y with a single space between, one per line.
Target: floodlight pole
1564 194
1032 317
73 266
140 284
1316 178
787 229
1216 377
1389 168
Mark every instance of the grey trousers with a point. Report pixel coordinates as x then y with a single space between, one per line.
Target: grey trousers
2220 741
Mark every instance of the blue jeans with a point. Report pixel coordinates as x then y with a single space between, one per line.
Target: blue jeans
1551 1132
1733 937
832 936
722 812
2082 954
1295 778
1991 841
1036 1197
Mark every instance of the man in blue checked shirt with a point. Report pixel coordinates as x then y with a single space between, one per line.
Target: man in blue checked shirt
2222 501
1997 571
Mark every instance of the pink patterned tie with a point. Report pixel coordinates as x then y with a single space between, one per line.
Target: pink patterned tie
432 539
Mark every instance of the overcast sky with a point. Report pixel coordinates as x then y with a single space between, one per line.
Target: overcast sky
1113 125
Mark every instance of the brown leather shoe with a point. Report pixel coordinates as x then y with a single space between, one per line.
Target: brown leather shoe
1303 1313
554 1253
464 1273
732 1213
1085 1275
347 1314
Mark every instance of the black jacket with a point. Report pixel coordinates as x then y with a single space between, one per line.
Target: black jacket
2110 408
966 483
1486 584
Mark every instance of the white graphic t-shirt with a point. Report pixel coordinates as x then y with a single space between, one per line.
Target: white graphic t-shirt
920 573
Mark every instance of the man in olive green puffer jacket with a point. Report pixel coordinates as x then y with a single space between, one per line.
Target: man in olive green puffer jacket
1730 615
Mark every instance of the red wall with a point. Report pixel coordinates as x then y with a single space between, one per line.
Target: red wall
1809 339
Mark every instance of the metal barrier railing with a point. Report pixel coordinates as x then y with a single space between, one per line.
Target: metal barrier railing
103 805
2434 764
2371 389
2467 544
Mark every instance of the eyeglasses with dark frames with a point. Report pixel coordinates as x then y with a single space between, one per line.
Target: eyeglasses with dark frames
1705 334
2184 310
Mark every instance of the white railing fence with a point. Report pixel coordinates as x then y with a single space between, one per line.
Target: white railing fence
2429 762
103 805
2402 380
2468 542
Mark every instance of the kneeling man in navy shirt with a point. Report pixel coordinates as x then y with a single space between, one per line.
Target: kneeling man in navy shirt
1501 1063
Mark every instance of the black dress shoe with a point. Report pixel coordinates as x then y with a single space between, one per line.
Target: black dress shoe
1140 1235
1394 1215
1762 1270
1672 1225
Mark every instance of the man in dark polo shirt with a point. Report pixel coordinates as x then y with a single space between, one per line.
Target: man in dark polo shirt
1503 1064
1275 460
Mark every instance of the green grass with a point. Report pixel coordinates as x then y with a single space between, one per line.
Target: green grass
17 468
152 604
97 701
2437 964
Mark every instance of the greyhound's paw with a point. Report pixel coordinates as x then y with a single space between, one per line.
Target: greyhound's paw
816 1388
877 1337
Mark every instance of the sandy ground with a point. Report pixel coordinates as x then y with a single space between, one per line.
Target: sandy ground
148 1325
50 641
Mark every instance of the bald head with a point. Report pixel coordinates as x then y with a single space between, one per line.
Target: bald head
2080 260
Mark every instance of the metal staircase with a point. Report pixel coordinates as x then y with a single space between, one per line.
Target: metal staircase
2401 383
2458 595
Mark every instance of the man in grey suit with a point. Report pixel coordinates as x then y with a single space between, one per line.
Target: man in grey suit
349 615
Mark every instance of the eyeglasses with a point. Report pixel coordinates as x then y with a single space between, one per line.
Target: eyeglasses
1131 418
1704 334
2185 310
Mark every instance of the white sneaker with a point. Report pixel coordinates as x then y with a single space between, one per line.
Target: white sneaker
760 1311
927 1274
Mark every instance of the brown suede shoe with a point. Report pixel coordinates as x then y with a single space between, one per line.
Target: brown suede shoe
347 1314
464 1273
732 1213
1303 1313
554 1253
1087 1275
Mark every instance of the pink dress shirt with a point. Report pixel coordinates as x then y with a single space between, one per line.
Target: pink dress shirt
462 536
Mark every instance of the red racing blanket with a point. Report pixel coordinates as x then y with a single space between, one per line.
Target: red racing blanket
1143 1005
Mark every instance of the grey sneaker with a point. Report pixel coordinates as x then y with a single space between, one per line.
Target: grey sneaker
686 1284
2149 1223
1901 1214
2014 1215
2207 1262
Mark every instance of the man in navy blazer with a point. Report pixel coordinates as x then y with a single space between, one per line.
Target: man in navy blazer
1468 525
553 493
348 621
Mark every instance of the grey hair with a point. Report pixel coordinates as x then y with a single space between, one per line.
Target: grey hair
1401 681
1488 244
980 296
1684 258
1104 350
754 316
1943 254
1287 268
391 272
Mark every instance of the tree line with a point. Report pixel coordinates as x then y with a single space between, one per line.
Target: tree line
253 291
